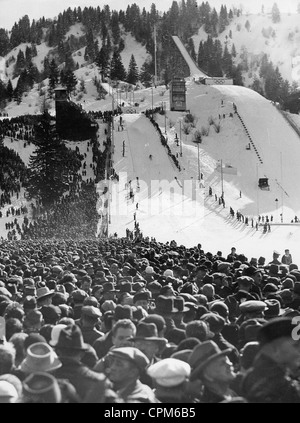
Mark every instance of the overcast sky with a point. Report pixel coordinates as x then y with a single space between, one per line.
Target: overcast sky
12 10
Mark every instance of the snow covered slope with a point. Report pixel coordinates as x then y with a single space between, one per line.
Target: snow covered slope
283 49
192 216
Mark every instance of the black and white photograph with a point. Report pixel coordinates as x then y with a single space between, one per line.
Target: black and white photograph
149 204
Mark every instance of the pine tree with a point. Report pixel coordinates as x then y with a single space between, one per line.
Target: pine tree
233 51
5 46
102 61
70 81
133 72
9 90
201 55
145 75
230 34
227 62
191 49
257 86
247 25
276 14
53 76
20 64
117 70
51 164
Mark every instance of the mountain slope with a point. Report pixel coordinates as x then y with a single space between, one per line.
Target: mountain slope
283 50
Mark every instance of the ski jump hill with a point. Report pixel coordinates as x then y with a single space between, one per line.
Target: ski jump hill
274 154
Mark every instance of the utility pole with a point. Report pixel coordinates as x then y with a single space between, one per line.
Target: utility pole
155 55
180 138
222 179
152 101
199 165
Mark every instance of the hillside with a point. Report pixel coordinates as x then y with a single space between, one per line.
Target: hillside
282 47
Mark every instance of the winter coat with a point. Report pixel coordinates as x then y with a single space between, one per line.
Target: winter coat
267 382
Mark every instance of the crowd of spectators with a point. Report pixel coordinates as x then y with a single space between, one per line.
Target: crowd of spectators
20 128
117 321
12 176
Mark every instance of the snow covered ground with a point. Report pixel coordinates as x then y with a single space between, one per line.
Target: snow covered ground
191 217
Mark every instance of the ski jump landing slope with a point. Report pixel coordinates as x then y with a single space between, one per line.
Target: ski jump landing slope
194 70
278 145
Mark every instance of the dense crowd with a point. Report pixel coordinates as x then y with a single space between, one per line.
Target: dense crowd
12 176
20 128
117 321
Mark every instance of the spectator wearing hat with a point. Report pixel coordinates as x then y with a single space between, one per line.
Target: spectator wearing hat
165 307
191 314
8 393
40 357
213 367
109 292
170 377
159 321
268 381
77 299
41 388
16 383
148 341
70 349
251 310
233 301
44 296
142 299
33 322
199 330
51 314
295 304
216 326
90 317
127 365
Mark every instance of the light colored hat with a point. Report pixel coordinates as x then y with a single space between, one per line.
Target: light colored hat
169 372
40 358
169 273
55 334
44 292
8 391
149 270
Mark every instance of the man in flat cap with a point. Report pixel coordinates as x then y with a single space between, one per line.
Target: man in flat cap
170 377
90 317
127 365
243 294
269 380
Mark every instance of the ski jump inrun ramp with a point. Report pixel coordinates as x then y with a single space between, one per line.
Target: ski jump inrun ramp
194 70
